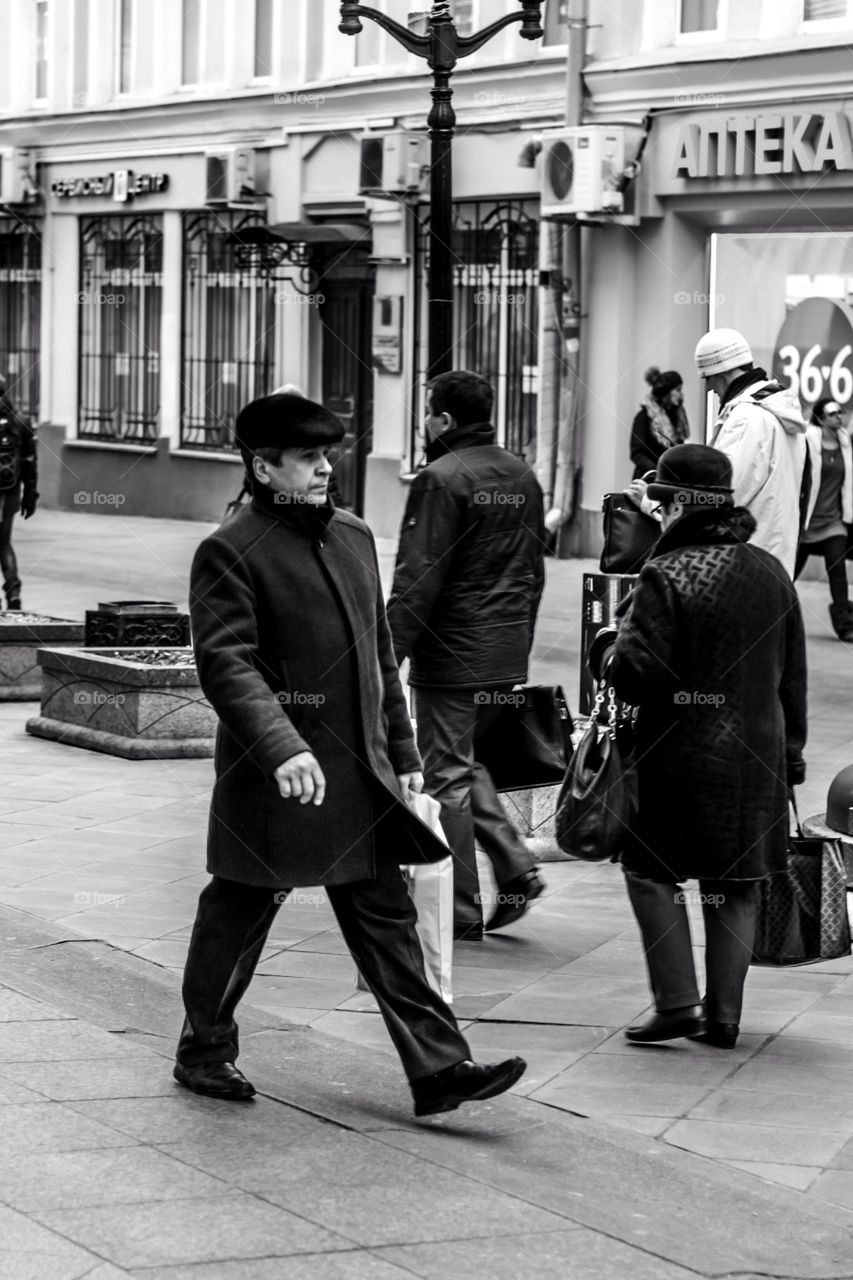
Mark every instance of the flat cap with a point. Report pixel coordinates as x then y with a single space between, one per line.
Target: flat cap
286 421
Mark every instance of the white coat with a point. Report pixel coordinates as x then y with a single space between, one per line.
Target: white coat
764 436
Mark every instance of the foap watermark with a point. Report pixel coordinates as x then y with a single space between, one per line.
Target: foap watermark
297 698
297 499
498 698
700 99
685 896
493 497
298 99
502 899
94 498
290 298
92 898
692 698
101 299
701 498
684 298
494 98
97 698
491 297
300 897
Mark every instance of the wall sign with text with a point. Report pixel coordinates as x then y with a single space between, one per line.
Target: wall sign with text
121 185
814 351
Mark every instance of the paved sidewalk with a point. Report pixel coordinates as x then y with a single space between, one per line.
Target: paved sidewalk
114 850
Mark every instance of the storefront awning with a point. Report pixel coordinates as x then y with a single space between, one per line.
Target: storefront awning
335 235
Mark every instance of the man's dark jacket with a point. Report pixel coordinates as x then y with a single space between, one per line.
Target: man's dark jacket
294 654
470 564
20 429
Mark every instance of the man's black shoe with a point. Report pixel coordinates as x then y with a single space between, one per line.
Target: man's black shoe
465 1082
215 1080
514 898
671 1025
471 932
722 1035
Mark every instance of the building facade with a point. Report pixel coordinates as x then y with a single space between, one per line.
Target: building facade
189 218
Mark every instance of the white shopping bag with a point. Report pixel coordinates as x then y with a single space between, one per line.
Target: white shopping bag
431 889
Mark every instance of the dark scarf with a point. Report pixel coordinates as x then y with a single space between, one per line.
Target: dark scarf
460 437
742 382
307 517
703 527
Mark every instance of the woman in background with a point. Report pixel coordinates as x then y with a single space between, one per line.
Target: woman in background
660 421
831 460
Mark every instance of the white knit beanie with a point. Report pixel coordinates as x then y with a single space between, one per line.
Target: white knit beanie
721 350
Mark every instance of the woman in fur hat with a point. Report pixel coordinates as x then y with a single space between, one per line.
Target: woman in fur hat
660 421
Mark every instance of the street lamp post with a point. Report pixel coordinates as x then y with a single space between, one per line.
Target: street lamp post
442 47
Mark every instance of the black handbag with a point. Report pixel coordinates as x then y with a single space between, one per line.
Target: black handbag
597 804
529 741
629 535
802 912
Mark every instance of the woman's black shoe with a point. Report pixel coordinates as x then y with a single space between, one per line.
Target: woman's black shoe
671 1025
722 1035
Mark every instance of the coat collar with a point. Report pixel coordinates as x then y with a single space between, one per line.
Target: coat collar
741 384
723 526
305 517
460 438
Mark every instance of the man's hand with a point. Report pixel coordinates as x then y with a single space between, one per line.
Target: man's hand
301 778
410 782
28 506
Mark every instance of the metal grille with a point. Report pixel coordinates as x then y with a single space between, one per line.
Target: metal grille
121 265
229 326
20 311
496 312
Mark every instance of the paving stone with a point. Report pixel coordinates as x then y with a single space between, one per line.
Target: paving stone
56 1041
15 1007
32 1127
144 1076
363 1189
835 1186
34 1252
127 1175
764 1143
579 1254
311 993
798 1176
612 1100
324 1266
150 1235
785 1110
188 1117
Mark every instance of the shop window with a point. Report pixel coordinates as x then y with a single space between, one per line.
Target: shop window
836 13
120 301
190 41
20 311
496 316
701 18
228 327
556 22
42 50
124 45
263 39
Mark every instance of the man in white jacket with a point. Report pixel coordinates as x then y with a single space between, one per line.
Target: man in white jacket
760 426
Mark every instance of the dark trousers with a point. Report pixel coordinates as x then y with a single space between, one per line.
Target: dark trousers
833 552
729 911
377 920
8 559
449 723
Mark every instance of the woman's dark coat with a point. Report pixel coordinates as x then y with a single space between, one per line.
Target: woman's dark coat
711 650
294 654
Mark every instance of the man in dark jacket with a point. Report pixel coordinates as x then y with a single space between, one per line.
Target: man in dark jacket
18 487
314 757
711 651
469 578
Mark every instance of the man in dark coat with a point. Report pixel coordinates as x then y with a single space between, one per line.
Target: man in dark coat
314 756
711 650
18 487
469 578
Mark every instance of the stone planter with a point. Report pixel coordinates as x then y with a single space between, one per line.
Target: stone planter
21 636
142 704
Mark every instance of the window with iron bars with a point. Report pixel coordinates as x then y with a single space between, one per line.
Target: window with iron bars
20 312
229 326
120 303
495 313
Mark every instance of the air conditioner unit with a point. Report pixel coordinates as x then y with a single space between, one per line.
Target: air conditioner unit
391 163
230 176
581 169
17 184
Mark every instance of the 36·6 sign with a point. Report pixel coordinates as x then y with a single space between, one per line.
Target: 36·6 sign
814 351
